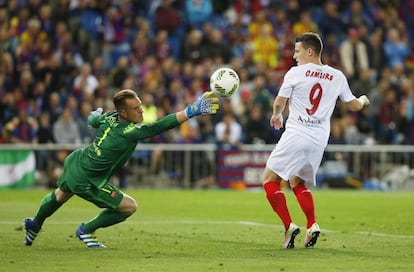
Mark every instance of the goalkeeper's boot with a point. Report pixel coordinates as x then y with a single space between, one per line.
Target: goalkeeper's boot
32 230
88 238
290 236
312 235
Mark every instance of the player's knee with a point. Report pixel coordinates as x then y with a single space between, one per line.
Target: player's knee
131 207
61 196
270 176
134 206
128 205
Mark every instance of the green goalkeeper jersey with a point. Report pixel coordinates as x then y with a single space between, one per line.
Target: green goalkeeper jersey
113 145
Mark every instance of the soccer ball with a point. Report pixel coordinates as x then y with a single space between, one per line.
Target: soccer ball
224 82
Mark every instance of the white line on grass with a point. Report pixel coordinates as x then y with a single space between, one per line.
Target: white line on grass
216 222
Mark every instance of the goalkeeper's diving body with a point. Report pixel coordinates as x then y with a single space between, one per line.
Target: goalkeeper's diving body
87 170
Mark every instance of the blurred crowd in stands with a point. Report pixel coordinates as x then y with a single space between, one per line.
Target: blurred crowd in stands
59 59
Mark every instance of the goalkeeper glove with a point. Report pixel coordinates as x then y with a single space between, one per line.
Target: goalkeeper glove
98 111
205 104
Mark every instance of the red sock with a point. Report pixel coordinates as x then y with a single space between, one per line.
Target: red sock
305 199
277 200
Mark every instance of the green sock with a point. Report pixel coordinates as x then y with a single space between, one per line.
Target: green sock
106 218
48 206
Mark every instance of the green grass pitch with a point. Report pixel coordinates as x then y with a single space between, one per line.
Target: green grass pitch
215 230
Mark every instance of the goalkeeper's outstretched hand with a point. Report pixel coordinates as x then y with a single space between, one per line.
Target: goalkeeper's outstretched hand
98 111
205 104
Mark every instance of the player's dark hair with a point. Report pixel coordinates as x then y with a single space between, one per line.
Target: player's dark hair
311 40
121 96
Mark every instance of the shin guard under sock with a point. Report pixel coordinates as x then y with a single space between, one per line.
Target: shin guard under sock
106 218
48 206
277 200
305 199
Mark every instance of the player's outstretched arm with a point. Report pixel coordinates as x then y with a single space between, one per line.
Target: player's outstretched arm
207 103
358 103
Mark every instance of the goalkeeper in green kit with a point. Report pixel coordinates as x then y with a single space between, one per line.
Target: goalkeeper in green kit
87 170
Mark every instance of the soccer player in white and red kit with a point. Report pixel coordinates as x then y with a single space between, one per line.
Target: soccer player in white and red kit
312 89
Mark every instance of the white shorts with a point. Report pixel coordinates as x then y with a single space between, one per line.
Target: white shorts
294 155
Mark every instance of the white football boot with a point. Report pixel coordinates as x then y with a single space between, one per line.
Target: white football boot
312 235
290 236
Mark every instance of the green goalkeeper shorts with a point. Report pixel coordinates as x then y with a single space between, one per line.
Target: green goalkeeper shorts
106 197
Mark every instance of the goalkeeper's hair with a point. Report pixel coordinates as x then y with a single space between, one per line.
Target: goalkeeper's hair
121 96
